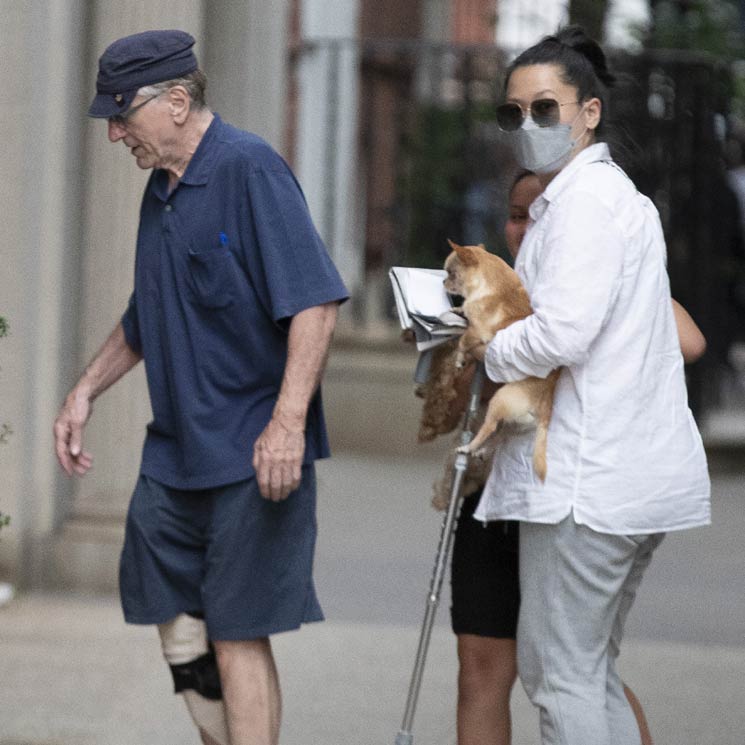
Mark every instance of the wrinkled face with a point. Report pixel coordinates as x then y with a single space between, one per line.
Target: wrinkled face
523 194
147 131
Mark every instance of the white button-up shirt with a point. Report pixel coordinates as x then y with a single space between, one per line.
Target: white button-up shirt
624 453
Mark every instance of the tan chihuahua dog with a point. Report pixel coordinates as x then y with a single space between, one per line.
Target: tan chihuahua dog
494 298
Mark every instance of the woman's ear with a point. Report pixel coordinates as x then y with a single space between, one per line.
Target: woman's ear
593 113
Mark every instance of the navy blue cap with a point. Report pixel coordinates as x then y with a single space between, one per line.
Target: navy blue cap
136 61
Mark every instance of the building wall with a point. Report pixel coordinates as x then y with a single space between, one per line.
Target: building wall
521 23
474 21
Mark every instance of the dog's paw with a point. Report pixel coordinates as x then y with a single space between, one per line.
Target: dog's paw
460 360
478 352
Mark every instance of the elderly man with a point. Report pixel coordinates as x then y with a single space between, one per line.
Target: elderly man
233 308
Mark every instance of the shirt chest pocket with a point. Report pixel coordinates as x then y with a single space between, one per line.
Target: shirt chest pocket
214 277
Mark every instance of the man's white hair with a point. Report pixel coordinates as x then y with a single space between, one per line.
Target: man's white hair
195 83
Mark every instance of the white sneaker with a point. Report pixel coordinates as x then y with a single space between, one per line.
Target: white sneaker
7 593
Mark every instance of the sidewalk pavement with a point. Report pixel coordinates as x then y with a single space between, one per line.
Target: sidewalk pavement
72 673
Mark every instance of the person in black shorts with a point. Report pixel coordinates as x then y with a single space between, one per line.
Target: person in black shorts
485 605
484 577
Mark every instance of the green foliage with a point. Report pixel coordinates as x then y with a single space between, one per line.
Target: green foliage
436 176
713 26
435 170
738 90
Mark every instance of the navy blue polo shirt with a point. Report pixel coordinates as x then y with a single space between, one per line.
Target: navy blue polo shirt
223 263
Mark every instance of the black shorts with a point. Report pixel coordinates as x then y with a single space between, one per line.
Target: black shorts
484 576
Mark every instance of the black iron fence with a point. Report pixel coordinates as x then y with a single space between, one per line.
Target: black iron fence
432 166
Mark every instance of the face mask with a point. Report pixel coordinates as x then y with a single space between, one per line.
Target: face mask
542 149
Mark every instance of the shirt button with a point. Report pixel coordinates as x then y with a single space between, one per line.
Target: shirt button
168 207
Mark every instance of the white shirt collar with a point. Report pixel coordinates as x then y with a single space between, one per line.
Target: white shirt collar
591 154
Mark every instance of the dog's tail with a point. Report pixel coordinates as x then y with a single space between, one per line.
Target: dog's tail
543 418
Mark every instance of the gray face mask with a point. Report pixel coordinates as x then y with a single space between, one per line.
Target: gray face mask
542 149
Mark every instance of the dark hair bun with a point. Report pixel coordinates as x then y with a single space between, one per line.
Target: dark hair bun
576 38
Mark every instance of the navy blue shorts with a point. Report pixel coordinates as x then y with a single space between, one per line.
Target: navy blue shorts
242 562
485 585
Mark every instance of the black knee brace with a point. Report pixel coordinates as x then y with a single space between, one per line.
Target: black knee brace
200 675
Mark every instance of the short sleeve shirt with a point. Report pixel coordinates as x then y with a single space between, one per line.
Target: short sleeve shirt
224 261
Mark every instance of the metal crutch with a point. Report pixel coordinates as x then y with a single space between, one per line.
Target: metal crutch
405 736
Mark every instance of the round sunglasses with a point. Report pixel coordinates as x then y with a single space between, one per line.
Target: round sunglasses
545 112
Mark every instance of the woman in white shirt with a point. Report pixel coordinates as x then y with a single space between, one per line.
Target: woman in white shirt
625 460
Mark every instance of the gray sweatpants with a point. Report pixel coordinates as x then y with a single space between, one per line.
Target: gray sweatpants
577 587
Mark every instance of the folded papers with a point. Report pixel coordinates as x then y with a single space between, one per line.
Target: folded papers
424 306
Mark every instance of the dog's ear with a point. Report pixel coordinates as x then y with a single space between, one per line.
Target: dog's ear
465 254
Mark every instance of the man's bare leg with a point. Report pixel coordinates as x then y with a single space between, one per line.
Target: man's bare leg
251 692
186 649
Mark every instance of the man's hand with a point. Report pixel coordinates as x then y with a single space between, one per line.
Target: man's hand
278 453
278 459
68 434
114 359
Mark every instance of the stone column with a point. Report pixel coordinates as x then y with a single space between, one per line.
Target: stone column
327 133
244 58
40 123
87 551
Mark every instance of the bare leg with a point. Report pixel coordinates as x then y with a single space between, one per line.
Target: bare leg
250 691
488 669
641 720
209 716
184 641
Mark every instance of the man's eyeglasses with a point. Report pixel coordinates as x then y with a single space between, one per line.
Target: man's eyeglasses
545 112
121 119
